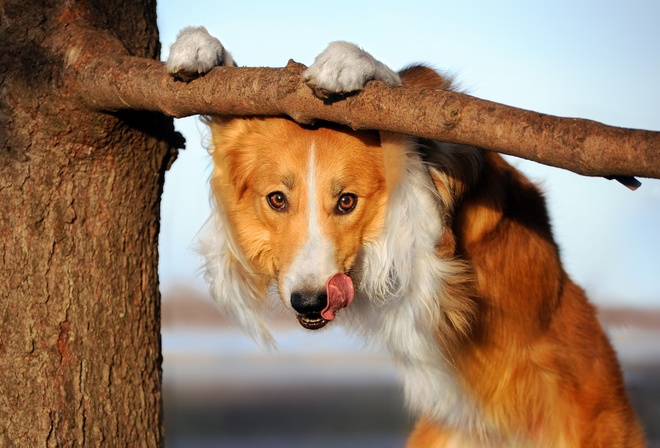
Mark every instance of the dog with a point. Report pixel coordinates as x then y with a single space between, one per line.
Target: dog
441 253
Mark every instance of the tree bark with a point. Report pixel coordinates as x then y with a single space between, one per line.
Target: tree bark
116 82
80 361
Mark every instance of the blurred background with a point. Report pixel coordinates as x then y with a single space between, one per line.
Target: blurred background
596 59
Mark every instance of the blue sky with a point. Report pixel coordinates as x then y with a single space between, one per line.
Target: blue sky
590 59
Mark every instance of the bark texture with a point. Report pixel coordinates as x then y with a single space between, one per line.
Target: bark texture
117 82
80 361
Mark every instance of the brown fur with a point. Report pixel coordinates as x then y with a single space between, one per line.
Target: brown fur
537 361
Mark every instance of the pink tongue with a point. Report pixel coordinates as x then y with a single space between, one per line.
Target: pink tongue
340 294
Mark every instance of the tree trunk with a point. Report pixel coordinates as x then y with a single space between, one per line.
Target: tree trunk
80 359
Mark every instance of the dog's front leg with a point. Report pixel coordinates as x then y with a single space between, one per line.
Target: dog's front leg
195 52
344 68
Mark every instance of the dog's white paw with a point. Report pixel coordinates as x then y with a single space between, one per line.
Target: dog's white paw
195 52
344 67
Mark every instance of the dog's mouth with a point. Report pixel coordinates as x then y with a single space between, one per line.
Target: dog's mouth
339 294
313 321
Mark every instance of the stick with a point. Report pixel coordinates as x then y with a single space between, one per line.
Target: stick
113 82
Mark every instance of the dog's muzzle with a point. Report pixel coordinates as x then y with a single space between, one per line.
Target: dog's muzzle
316 308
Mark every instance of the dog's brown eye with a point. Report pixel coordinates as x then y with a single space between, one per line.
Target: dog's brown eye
277 200
346 203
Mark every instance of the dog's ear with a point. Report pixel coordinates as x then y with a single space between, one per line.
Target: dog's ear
411 264
226 131
233 158
232 283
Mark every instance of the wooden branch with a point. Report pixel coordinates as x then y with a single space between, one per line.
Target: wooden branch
114 82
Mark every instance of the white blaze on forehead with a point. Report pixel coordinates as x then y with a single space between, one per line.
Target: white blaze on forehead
315 262
312 206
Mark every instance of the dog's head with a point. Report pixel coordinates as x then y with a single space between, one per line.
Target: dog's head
317 214
298 203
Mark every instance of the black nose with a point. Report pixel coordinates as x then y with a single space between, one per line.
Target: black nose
309 302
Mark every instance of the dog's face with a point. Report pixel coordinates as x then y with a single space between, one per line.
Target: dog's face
300 203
